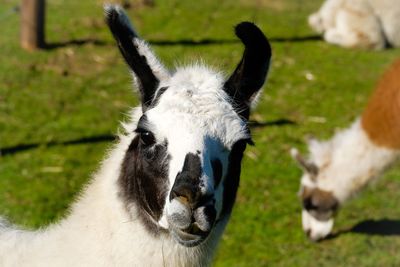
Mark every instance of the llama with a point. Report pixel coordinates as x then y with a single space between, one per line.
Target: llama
368 24
164 194
339 168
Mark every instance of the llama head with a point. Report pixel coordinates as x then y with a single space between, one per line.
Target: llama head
335 171
319 199
181 170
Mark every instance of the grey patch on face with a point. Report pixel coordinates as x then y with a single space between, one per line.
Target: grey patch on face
205 217
321 204
181 217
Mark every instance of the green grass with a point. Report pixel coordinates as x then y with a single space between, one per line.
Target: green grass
76 91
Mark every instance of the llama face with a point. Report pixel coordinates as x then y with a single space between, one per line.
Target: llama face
319 209
181 170
200 149
319 201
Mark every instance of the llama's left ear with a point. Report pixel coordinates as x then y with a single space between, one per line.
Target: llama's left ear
250 74
142 61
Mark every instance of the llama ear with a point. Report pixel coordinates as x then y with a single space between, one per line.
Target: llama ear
306 165
250 74
142 61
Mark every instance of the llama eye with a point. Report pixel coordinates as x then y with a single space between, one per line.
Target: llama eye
147 138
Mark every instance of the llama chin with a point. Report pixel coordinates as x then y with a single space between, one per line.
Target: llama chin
165 192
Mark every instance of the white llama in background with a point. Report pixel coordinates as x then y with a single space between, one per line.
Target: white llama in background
338 168
371 24
164 194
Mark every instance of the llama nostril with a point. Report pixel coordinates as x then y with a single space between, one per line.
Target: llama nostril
183 200
186 193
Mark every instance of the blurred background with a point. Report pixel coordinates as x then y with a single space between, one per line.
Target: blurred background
60 107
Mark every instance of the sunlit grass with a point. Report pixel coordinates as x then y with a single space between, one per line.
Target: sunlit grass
81 88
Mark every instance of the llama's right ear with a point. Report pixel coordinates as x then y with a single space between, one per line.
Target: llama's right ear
306 165
142 61
250 74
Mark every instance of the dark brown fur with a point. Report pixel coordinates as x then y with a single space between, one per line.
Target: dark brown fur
319 203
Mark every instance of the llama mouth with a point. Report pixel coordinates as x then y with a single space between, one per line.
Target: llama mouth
190 237
315 229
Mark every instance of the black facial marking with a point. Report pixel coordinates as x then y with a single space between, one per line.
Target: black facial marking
187 181
217 171
144 181
210 213
231 182
156 98
124 35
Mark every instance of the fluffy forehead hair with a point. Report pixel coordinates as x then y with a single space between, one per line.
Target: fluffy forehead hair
195 96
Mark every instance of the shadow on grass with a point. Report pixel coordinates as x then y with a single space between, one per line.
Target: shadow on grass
206 41
182 42
296 39
383 227
107 137
278 122
84 140
76 42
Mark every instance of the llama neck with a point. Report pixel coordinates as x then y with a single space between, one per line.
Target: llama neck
100 232
353 162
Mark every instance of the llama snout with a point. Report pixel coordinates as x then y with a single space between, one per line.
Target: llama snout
315 229
190 224
182 216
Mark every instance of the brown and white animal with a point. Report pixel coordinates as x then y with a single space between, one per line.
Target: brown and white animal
164 194
370 24
340 167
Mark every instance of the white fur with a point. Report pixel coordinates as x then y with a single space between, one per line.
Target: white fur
206 123
158 69
317 229
99 231
359 23
346 163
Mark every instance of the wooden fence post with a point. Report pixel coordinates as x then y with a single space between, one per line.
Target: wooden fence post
32 24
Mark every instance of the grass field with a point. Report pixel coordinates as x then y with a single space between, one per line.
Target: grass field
68 100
